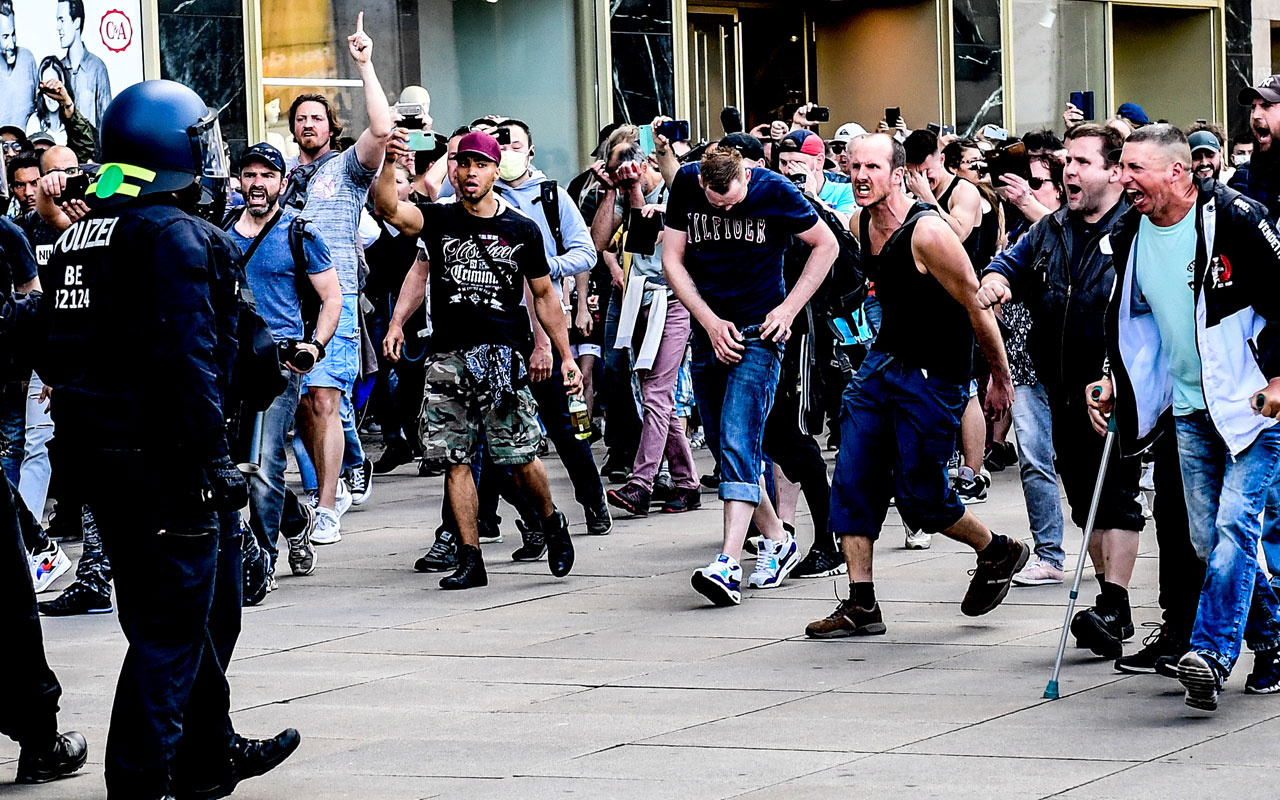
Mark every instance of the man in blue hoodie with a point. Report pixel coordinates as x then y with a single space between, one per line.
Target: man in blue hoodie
570 251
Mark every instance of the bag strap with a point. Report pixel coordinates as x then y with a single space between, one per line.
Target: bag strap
262 234
550 198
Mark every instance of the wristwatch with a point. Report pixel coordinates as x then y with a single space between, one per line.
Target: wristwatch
319 348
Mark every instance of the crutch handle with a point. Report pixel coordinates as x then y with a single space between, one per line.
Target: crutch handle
1097 393
1260 401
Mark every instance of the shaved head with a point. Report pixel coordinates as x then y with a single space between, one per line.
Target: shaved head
58 157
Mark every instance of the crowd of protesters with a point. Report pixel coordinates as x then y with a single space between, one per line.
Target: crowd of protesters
760 296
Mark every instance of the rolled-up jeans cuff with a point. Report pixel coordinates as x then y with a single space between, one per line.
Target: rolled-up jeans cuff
735 490
1224 669
1265 646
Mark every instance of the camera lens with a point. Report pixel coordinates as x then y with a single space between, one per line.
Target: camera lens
302 360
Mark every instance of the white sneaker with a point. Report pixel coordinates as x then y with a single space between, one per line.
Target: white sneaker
1038 573
342 498
917 540
47 566
774 562
720 581
328 530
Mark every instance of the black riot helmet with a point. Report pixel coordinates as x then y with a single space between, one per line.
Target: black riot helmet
159 136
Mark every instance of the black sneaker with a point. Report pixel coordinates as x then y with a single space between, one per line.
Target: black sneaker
396 454
599 523
76 599
684 500
249 758
1103 630
429 469
535 544
631 498
664 489
1162 642
615 469
443 555
1201 679
1168 666
64 755
360 482
711 481
991 579
820 564
559 546
470 573
1265 677
66 526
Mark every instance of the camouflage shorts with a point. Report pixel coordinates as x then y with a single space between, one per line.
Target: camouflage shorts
457 412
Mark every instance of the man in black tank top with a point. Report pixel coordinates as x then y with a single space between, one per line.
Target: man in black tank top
956 200
903 407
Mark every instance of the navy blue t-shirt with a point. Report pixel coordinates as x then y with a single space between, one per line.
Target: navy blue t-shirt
735 256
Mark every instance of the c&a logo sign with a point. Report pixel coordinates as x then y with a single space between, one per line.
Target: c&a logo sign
116 30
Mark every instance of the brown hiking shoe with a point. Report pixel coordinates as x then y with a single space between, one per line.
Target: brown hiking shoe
848 620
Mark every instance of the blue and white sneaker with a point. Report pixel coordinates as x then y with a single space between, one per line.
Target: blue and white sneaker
720 581
774 562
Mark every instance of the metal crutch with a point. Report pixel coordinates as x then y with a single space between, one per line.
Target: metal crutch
1051 691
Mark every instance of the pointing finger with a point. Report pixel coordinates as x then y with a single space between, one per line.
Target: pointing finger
360 22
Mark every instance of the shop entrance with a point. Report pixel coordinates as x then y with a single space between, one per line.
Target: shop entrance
1160 55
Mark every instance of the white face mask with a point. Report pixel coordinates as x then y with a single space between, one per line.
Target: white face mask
513 165
1239 160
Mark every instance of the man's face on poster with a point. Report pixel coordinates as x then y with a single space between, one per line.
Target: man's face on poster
68 30
8 40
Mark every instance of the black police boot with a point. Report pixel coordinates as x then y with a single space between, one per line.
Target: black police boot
470 572
65 754
1164 645
559 545
1104 627
248 758
396 453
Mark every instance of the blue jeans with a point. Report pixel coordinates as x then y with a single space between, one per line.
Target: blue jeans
1225 497
1034 429
735 400
267 489
897 431
34 485
1271 533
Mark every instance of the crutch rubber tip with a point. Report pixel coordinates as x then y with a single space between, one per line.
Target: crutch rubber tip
1051 691
1097 392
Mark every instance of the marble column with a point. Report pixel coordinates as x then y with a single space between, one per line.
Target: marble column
1239 21
643 59
202 46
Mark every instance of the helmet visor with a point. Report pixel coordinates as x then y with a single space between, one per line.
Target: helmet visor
212 154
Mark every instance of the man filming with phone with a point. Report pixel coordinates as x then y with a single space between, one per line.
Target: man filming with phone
800 158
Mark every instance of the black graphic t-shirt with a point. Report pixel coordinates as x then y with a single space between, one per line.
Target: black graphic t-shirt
471 304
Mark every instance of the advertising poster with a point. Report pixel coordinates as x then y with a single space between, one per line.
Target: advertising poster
94 47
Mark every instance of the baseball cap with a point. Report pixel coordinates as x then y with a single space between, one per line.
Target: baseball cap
746 144
481 144
847 131
1268 90
806 142
42 137
265 153
1133 112
1203 140
18 133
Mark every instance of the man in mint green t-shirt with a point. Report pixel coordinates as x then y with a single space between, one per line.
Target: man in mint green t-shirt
1164 266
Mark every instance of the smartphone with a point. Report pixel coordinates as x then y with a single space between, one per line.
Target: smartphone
76 186
503 135
1084 102
676 130
646 139
642 232
819 114
892 115
800 180
948 130
934 127
421 141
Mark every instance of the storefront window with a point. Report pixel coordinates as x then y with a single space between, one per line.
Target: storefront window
979 83
1059 47
474 57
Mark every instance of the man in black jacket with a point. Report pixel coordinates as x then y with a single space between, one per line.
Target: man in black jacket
1063 275
1192 327
1258 179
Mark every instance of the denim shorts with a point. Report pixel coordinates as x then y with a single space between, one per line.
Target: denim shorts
897 431
341 363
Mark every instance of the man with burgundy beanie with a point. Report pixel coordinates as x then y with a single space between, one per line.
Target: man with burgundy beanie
479 254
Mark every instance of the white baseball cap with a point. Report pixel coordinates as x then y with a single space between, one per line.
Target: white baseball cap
848 131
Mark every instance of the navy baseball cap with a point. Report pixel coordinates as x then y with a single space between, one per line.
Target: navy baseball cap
1134 113
265 153
746 144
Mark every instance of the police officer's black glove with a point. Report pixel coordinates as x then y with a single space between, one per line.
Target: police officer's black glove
229 491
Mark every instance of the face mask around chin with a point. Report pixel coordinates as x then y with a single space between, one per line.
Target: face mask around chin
513 165
1239 161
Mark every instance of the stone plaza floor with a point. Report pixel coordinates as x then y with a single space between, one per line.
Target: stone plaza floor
619 681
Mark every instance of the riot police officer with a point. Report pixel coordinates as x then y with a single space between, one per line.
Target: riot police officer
141 304
29 690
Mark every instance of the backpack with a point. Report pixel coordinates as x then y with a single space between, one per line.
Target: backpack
308 299
550 198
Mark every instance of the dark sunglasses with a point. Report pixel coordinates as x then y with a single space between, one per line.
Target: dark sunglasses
1036 183
837 147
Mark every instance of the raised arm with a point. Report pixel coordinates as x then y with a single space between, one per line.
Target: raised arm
400 214
373 140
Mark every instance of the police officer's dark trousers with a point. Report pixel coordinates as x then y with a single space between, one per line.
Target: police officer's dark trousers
29 691
177 579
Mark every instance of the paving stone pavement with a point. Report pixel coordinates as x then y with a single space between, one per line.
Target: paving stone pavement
619 681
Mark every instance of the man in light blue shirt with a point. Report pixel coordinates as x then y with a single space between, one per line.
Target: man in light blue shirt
90 84
801 153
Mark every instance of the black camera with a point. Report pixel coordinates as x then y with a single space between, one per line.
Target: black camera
1011 160
818 114
295 356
